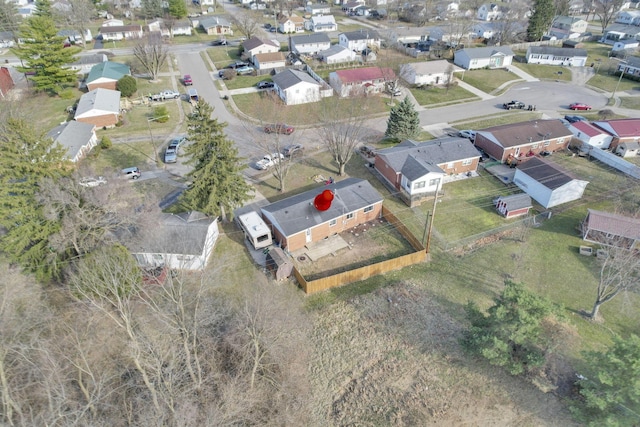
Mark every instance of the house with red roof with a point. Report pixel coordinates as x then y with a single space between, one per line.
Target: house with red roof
361 81
611 229
622 130
590 134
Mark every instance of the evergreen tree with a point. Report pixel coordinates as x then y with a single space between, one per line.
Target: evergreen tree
177 9
43 9
403 122
540 20
27 158
44 53
151 8
127 86
217 184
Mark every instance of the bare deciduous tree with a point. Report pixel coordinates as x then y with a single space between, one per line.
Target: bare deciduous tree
78 15
247 23
152 54
606 10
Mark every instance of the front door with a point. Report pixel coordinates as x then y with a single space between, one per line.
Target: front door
308 235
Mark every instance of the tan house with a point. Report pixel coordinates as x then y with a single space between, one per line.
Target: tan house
296 221
256 45
266 61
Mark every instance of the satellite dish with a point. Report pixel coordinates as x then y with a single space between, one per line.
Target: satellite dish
322 201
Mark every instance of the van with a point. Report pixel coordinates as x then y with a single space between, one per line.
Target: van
255 230
133 172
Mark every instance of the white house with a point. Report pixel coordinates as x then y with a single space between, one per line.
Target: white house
74 36
450 35
214 25
616 32
360 40
291 24
590 134
113 23
256 45
76 137
319 23
361 81
177 28
631 17
310 44
296 87
271 60
99 107
429 72
337 54
547 55
489 12
121 32
481 57
625 44
182 241
547 183
484 30
318 9
568 27
628 149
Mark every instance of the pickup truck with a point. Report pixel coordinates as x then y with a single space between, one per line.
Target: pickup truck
165 94
269 160
513 104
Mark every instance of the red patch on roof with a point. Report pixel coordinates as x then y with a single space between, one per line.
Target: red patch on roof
625 127
588 129
365 74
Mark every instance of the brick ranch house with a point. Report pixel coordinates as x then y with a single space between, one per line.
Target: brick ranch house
295 221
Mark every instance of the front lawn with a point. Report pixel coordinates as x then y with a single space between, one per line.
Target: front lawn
488 80
438 95
546 72
630 102
502 119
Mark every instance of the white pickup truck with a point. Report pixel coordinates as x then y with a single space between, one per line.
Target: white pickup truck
165 94
269 160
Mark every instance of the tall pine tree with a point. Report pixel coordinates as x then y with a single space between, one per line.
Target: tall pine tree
217 185
27 158
44 54
540 20
177 9
403 122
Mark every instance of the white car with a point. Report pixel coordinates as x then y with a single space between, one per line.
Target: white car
269 160
469 134
92 182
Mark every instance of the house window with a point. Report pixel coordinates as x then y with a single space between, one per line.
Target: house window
434 182
466 162
546 143
419 184
350 216
560 141
333 222
368 209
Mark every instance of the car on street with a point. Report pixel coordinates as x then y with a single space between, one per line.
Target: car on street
579 106
279 128
92 182
186 80
293 150
265 84
243 71
237 64
469 134
573 119
513 105
220 42
269 160
170 155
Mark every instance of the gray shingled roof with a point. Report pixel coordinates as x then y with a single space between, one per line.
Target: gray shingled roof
99 99
516 201
333 50
421 158
364 34
72 136
546 173
183 233
310 39
254 42
521 133
486 52
290 77
297 213
558 51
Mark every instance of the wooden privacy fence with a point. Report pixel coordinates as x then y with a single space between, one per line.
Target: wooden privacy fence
367 271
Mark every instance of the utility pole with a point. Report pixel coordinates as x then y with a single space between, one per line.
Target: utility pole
433 215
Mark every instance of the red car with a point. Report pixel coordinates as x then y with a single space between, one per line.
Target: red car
579 106
186 80
279 128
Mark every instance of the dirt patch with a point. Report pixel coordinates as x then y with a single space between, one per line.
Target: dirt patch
392 358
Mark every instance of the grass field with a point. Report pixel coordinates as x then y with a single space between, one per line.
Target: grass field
438 95
488 80
545 72
503 119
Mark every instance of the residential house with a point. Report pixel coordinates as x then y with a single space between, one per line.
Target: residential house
291 24
99 107
27 10
405 35
360 40
124 32
267 61
514 205
84 63
175 28
296 87
622 130
625 44
310 44
483 57
257 45
77 138
521 141
590 134
568 27
361 81
296 222
630 66
440 72
628 149
318 9
106 75
6 82
337 54
484 30
489 12
320 23
629 17
6 39
565 56
74 36
112 23
616 32
419 169
610 229
547 183
214 25
452 36
182 241
352 6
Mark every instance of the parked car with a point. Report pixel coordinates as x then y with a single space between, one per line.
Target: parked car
279 128
394 92
269 160
513 104
176 143
92 182
573 119
469 134
165 94
265 84
170 155
579 106
221 42
132 172
186 80
293 150
227 74
237 64
244 70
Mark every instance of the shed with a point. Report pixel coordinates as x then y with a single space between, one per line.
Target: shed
514 205
279 262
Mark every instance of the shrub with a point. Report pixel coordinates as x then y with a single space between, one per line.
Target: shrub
127 86
66 94
105 143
